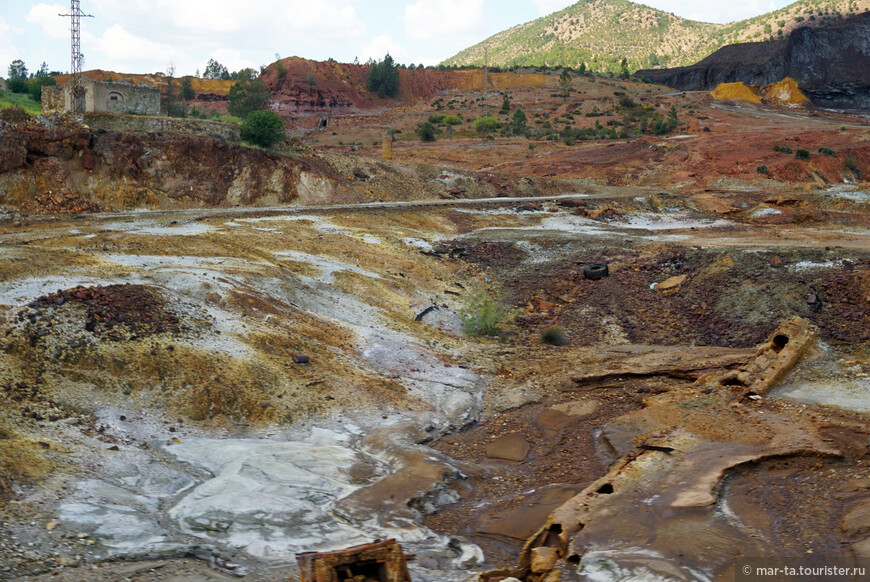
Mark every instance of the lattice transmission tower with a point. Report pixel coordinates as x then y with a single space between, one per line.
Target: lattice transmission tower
76 90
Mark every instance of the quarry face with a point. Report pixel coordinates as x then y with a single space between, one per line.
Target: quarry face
209 367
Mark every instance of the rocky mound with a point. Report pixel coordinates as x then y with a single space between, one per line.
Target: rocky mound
305 86
736 91
830 64
785 93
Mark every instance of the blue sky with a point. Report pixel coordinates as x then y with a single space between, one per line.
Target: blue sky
145 36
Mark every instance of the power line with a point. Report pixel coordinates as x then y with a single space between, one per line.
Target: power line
75 15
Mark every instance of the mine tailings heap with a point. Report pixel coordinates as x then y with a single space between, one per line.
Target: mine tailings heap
831 64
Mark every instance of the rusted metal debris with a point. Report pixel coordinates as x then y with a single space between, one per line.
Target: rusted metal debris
373 562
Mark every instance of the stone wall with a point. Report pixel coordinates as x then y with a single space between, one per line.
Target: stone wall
141 99
118 122
52 100
3 86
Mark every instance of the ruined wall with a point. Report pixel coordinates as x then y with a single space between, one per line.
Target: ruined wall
199 127
108 97
52 100
3 86
142 99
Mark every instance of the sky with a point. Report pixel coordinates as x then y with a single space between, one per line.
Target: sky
147 36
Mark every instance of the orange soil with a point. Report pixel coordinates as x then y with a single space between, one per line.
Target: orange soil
737 91
216 86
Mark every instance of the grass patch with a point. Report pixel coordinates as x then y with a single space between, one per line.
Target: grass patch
21 100
485 315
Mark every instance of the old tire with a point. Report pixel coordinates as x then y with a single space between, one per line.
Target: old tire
595 272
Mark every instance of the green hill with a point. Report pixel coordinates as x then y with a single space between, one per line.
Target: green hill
600 33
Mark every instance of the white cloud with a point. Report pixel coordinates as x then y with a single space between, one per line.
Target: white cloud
380 46
327 18
444 20
119 50
546 7
8 52
47 17
196 29
261 19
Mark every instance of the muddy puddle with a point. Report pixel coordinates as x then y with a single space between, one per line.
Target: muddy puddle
832 378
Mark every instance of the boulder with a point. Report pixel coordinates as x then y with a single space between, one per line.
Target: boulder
857 521
511 447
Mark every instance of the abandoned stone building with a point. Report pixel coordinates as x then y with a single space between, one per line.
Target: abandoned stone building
3 86
105 97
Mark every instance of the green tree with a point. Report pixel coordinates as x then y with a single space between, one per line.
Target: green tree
624 66
247 96
248 74
426 131
42 72
215 70
566 81
518 122
263 128
17 70
384 77
187 92
36 84
505 104
673 120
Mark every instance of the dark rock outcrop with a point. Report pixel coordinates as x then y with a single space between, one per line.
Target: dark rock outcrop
831 64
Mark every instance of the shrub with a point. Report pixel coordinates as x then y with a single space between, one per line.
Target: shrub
484 316
518 122
436 118
555 336
782 149
18 85
280 70
851 163
802 154
247 96
486 124
426 131
36 84
452 120
761 170
827 152
263 128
